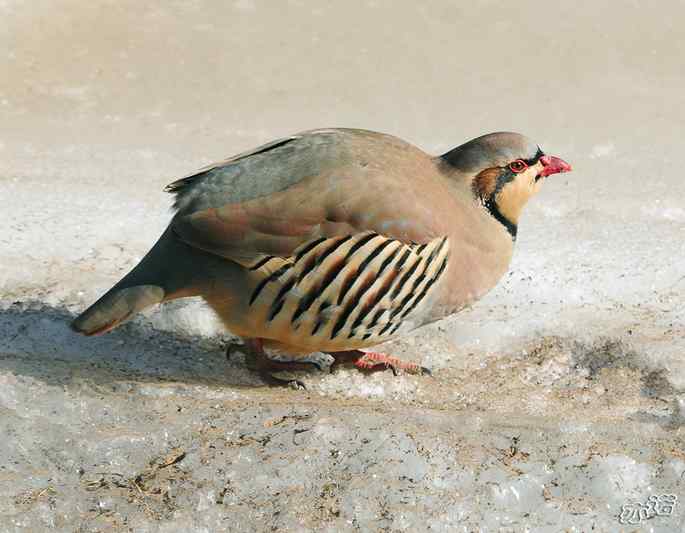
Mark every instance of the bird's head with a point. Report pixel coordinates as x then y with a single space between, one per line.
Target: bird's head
504 169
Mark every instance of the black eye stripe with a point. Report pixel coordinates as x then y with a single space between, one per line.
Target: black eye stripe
533 160
508 174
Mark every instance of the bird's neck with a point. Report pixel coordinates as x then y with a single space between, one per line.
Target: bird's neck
510 225
476 186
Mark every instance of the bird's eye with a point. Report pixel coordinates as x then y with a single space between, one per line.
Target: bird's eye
518 166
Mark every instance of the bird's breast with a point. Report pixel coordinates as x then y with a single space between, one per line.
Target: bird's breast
345 292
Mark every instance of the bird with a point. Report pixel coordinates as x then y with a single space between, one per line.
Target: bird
336 240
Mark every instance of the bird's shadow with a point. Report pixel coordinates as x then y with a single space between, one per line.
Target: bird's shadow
36 342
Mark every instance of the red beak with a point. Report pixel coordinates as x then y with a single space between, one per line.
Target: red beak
553 165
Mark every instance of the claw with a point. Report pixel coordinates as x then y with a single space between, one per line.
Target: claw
297 385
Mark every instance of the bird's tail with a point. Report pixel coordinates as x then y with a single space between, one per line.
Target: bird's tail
154 280
115 307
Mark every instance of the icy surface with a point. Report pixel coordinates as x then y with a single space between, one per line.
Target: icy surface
555 401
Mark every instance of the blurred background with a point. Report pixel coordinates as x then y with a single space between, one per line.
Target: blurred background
188 81
103 103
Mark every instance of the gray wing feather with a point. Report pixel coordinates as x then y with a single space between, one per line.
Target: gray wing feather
267 169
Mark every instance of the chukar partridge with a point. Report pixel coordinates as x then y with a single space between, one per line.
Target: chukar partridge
335 240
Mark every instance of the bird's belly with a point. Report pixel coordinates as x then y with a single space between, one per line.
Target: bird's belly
375 290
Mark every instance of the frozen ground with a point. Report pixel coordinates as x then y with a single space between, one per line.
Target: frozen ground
555 401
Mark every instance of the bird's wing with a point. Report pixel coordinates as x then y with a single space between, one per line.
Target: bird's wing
180 186
335 186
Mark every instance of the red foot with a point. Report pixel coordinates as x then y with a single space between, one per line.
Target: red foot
371 360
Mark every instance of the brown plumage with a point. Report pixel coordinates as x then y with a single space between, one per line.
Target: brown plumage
335 240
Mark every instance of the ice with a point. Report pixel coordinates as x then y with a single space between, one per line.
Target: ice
555 400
